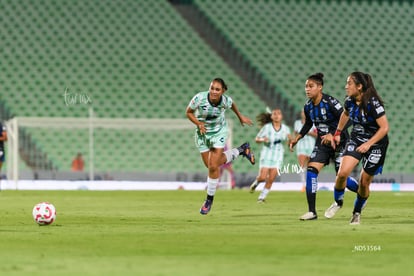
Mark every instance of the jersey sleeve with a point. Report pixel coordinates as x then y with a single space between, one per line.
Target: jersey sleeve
307 125
287 132
195 102
347 104
262 132
377 108
336 107
228 102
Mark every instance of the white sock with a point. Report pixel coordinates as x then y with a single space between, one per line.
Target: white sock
254 182
231 154
212 186
263 194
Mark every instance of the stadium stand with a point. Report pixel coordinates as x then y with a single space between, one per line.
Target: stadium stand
141 59
134 59
289 40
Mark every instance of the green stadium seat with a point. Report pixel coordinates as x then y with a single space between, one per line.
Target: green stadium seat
129 50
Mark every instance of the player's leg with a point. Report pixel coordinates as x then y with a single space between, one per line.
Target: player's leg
373 164
214 162
303 163
363 191
347 165
271 175
260 178
219 139
205 156
362 196
311 188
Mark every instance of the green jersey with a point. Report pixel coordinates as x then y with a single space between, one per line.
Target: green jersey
211 115
271 155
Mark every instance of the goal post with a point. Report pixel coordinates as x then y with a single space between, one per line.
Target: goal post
136 133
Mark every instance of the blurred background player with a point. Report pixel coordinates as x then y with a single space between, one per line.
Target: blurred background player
3 138
77 163
272 134
227 168
304 147
368 141
207 111
323 111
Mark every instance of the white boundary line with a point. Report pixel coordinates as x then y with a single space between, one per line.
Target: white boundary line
165 185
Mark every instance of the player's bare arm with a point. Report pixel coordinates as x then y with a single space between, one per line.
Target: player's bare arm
243 119
191 116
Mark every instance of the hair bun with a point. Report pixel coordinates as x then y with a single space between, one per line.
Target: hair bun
319 75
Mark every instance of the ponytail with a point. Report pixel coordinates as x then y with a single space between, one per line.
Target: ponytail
264 118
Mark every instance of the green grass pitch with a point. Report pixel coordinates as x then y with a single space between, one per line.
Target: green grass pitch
162 233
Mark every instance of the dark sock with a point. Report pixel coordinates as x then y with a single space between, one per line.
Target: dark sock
339 196
209 197
311 188
311 197
359 203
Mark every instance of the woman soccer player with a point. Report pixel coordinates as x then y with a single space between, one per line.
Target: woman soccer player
271 135
206 110
323 111
304 147
368 141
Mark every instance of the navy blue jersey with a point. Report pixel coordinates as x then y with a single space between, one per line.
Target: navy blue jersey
325 116
364 123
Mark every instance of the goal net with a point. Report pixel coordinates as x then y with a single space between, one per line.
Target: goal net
112 149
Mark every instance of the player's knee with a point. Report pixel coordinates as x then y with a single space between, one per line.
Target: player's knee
342 176
365 180
312 170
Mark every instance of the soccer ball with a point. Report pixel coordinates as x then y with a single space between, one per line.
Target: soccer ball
44 213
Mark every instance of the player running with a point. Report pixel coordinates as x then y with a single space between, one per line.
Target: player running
304 147
323 111
272 135
369 140
207 111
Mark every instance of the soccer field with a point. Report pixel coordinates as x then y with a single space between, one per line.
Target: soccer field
162 233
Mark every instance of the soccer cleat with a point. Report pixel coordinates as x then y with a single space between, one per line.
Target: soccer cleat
331 211
356 219
247 152
253 186
261 200
309 216
206 207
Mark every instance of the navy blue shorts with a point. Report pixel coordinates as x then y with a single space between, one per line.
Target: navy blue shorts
372 160
325 153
